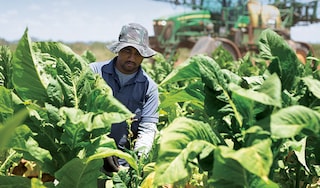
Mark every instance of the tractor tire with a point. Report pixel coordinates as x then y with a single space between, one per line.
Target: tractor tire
206 45
302 50
231 48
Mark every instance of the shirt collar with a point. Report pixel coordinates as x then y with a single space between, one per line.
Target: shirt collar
110 69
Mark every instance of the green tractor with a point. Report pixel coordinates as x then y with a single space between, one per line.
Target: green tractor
234 24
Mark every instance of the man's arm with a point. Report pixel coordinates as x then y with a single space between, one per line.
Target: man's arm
146 135
148 126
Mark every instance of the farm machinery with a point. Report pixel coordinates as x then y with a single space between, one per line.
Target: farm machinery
233 24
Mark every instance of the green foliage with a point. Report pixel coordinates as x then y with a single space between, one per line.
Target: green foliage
15 182
185 140
224 59
253 123
83 175
5 66
69 112
252 65
89 55
283 59
266 116
157 67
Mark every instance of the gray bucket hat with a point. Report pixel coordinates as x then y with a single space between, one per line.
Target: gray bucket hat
134 35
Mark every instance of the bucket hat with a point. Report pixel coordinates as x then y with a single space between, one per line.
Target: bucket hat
134 35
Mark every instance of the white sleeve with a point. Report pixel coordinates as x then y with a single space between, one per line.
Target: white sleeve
97 66
146 135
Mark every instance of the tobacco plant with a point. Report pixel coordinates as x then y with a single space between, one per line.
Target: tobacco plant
253 131
68 112
235 127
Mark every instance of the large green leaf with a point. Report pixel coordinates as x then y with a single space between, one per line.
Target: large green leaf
218 102
273 46
67 84
55 93
6 103
29 79
313 86
73 122
43 123
291 121
96 96
90 121
182 141
39 65
269 93
199 67
255 103
66 69
23 142
181 165
8 127
58 50
189 70
108 151
14 182
230 165
20 182
227 172
99 145
193 93
82 174
215 82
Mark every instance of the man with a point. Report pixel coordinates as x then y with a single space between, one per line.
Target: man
133 88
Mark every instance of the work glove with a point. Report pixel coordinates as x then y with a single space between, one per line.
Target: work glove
111 164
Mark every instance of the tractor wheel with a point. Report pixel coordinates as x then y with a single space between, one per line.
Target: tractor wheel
207 45
231 48
302 50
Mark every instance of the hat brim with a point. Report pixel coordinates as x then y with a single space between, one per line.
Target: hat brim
144 51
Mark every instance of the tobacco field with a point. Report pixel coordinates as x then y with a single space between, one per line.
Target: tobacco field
254 122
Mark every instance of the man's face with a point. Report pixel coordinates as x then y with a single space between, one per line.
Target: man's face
129 60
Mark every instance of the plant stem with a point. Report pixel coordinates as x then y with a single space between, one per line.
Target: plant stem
7 159
297 175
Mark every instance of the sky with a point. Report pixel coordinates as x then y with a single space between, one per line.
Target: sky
95 20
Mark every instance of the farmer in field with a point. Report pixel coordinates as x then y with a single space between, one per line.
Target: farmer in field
134 88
